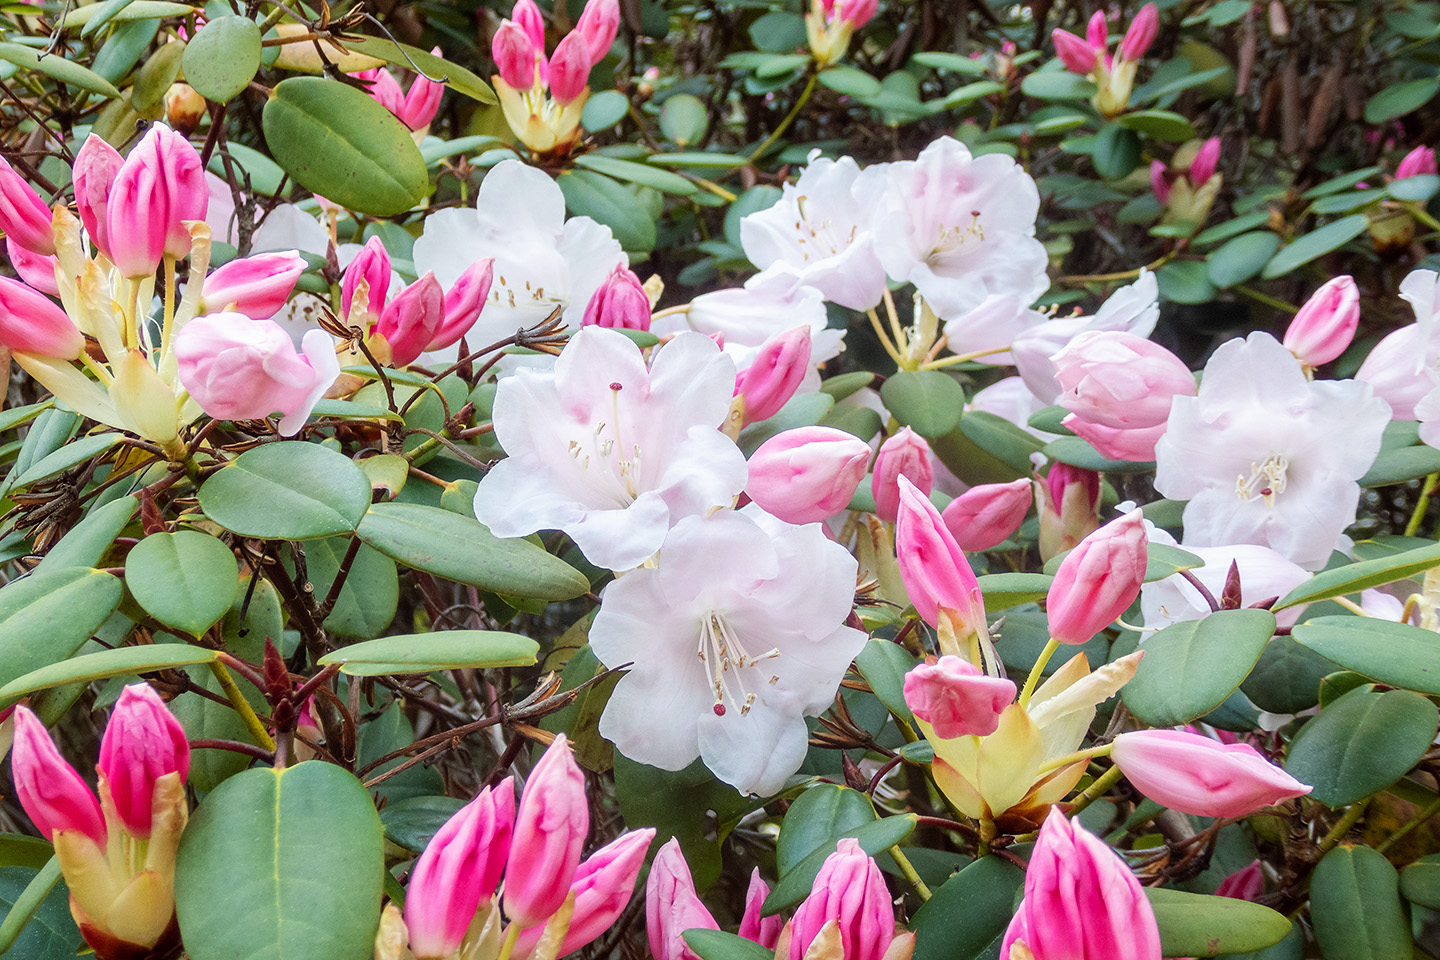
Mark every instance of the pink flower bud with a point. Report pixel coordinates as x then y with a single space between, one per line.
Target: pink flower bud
550 831
775 374
1120 380
672 906
31 323
23 215
985 515
256 286
457 874
762 930
1081 901
515 55
850 890
371 264
242 369
807 474
619 302
599 22
95 169
410 321
1246 883
1141 33
160 186
1096 33
528 16
463 303
906 454
1098 580
52 793
1159 182
422 101
1202 168
569 69
143 742
1326 323
1419 161
956 698
1068 500
35 269
1077 55
1117 443
858 12
385 90
932 566
1200 776
603 886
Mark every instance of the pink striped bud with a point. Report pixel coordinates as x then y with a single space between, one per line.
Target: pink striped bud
1141 34
1417 162
1077 55
385 90
807 474
1207 158
599 22
1326 323
31 323
515 55
463 303
1200 776
956 698
410 321
1096 32
672 906
160 186
94 170
457 874
905 454
422 101
849 890
52 793
1246 883
569 69
775 374
1120 380
143 742
1159 182
35 269
256 286
23 215
762 930
371 264
1068 500
621 301
1098 580
985 515
550 831
602 888
932 566
527 15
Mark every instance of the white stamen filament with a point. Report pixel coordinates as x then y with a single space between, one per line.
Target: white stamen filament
720 649
1266 480
822 234
949 238
619 477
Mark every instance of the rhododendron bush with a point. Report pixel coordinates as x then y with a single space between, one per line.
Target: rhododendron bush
856 481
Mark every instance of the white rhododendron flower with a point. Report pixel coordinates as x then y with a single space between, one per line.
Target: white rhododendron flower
1266 456
1264 575
609 451
1404 367
735 637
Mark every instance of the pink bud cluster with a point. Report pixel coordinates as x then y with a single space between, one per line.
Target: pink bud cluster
416 107
1090 54
1201 169
519 49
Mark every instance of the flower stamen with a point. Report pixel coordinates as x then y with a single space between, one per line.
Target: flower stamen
1266 480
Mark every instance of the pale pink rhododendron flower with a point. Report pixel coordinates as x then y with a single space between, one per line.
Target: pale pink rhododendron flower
734 639
1264 575
1265 456
620 302
1200 776
991 327
1405 365
611 451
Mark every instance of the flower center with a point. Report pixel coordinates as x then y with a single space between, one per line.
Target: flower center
951 238
725 657
1266 480
822 241
603 459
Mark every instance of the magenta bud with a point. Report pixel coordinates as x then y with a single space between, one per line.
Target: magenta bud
160 186
463 303
527 15
850 890
932 566
985 515
1077 55
569 69
775 374
957 698
410 321
35 269
385 90
807 474
1068 499
256 286
621 301
858 12
31 323
143 742
550 830
672 906
1417 162
1098 580
1200 776
599 22
371 264
422 101
1141 34
1326 323
1159 182
753 927
53 794
515 55
1202 168
1096 32
23 215
905 454
458 872
94 170
1247 883
603 886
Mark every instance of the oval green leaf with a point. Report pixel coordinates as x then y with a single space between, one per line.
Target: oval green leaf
603 110
1360 576
1396 654
1399 99
1116 152
684 118
1287 677
336 141
1240 258
1420 882
1158 124
1362 742
817 819
1193 925
1356 908
883 665
719 945
153 80
425 652
287 491
643 174
927 401
968 914
872 837
1186 281
589 194
70 455
46 617
406 57
1005 590
186 580
1316 243
370 594
1192 667
119 662
88 540
221 60
849 81
1057 85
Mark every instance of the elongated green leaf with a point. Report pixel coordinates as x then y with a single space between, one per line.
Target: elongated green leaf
1360 576
1356 908
1191 667
849 81
1192 925
282 865
403 55
1079 453
338 142
816 820
153 80
186 580
1159 124
70 455
413 822
602 199
1420 882
1399 464
57 67
640 173
1240 258
1314 244
1005 590
287 491
723 161
88 540
424 652
985 448
1396 654
927 401
46 617
1057 85
1287 677
221 60
872 837
1400 98
883 665
1362 742
135 10
119 662
37 924
967 916
719 945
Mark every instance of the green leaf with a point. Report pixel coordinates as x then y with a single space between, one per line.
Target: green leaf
222 59
288 490
588 194
719 945
70 455
1395 654
1336 184
36 904
849 81
883 665
603 110
1316 243
369 596
153 80
46 617
186 580
1158 124
1355 577
778 32
1345 202
457 548
801 410
719 161
18 850
1240 258
1192 667
119 662
966 917
56 67
1231 228
927 401
426 652
1058 85
1005 590
1399 464
1415 189
684 118
336 141
1399 99
817 819
1420 882
1186 79
1116 152
646 176
282 865
795 885
135 10
1362 742
413 822
1287 677
1356 908
406 57
88 540
1193 925
985 448
1185 281
1079 453
953 62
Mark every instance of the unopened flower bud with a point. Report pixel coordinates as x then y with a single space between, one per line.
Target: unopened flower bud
95 168
1200 776
956 698
1068 500
410 322
932 566
807 474
1098 580
672 906
905 454
775 374
1417 162
1077 55
1120 380
23 215
602 889
51 792
256 286
143 742
620 301
762 930
31 323
184 108
371 264
985 515
550 830
1326 323
1141 34
514 55
160 186
599 22
569 69
35 269
1207 158
463 303
849 891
